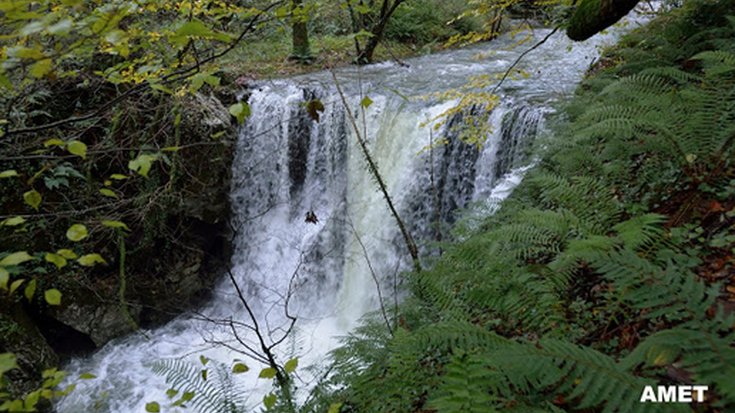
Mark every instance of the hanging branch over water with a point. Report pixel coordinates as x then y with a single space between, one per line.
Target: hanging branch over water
410 243
515 63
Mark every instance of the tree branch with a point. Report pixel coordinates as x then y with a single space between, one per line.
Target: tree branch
532 48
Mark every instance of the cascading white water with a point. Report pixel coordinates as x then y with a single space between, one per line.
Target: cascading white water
325 274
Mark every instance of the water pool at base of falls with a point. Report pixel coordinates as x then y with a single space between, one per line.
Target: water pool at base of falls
326 274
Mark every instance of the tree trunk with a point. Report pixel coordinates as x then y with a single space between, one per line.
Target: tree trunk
301 50
594 16
365 56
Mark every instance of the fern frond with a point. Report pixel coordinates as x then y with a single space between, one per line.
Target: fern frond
216 394
466 387
589 377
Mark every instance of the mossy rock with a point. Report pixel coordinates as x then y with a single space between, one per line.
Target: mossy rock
594 16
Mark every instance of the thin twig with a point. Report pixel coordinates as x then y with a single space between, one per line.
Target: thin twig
375 278
410 243
532 48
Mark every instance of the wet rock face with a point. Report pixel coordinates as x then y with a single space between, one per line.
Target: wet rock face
88 317
21 336
174 257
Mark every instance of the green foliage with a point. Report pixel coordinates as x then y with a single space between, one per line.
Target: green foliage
216 392
30 401
425 21
589 283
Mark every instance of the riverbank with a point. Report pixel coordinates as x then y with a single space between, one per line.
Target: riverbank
608 270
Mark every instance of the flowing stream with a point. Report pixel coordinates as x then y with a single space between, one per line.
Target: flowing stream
327 274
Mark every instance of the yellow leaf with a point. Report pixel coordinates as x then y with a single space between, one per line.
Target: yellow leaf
41 68
68 254
142 164
77 148
32 198
116 224
30 290
8 173
56 259
77 232
52 296
15 258
15 285
12 222
4 278
54 142
109 192
90 260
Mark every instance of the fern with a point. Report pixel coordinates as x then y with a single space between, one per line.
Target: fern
576 293
465 390
212 393
592 377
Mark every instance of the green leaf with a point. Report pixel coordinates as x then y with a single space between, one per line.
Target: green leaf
197 28
90 260
77 232
171 393
68 254
193 28
240 111
56 259
109 193
402 96
8 173
54 142
152 407
142 164
15 258
116 224
77 148
31 399
6 83
269 400
4 278
87 376
291 365
204 360
16 406
15 285
118 177
115 36
8 361
334 408
366 102
187 396
267 373
239 368
12 222
62 28
160 87
27 53
40 68
30 290
32 198
171 149
204 375
52 296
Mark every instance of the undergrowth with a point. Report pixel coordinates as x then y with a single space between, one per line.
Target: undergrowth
609 269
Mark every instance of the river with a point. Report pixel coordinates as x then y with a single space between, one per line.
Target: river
326 274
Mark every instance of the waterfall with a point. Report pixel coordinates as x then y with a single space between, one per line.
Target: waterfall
326 274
